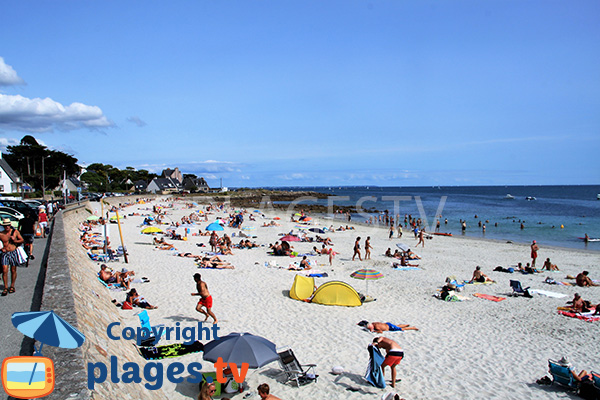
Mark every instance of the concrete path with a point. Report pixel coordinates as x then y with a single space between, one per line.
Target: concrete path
29 288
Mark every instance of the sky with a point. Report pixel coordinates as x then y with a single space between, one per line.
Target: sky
311 92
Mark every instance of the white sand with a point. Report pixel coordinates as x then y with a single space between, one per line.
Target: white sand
470 350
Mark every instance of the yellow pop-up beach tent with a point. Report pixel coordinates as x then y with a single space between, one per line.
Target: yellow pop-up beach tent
302 288
337 293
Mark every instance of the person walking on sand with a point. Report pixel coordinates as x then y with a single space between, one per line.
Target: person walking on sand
399 230
421 238
206 299
357 249
391 231
394 354
534 250
368 248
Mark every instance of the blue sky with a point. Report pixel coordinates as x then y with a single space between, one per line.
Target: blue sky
293 93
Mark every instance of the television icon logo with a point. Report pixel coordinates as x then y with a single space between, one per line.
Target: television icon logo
28 377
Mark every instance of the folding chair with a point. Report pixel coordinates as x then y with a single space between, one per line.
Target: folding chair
518 289
145 323
294 370
562 375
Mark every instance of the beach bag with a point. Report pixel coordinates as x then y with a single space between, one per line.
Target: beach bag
38 231
587 390
22 255
127 306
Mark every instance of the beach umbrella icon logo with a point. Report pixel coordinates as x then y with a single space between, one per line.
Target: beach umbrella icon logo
29 377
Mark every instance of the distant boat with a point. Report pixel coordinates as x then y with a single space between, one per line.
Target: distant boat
530 198
598 196
509 196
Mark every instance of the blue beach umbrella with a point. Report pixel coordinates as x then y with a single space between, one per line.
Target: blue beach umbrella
241 348
215 226
48 328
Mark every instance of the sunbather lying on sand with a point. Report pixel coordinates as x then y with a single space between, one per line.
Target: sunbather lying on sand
380 327
207 263
109 276
135 299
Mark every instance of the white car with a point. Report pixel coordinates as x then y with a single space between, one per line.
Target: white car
11 211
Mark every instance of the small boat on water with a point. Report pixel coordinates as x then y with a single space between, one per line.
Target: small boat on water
509 196
530 198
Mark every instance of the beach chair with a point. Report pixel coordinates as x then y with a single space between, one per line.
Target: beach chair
295 371
145 323
99 257
518 289
562 375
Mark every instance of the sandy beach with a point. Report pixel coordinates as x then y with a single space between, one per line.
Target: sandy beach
463 350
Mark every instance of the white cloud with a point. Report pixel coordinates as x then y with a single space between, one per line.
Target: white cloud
8 76
7 142
44 115
137 120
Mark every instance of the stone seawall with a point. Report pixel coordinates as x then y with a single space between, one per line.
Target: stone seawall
72 290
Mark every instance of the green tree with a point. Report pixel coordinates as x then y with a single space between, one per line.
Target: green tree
36 163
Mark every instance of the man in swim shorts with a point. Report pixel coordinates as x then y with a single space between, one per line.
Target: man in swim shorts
380 327
206 299
534 250
394 354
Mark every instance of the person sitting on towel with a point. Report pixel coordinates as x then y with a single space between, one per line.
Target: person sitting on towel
380 327
479 276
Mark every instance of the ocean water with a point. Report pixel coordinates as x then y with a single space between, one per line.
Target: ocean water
558 216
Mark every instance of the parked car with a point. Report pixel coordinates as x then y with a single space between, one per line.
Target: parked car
35 203
18 205
14 221
12 211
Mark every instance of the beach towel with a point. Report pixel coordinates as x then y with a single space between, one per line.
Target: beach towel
489 297
548 293
478 283
588 316
374 375
400 268
112 286
169 350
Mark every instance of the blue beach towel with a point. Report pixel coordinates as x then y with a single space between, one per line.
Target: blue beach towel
374 374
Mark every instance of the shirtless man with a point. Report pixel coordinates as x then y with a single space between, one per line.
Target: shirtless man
394 355
357 249
206 299
368 248
9 259
479 276
534 250
380 327
115 277
578 304
583 279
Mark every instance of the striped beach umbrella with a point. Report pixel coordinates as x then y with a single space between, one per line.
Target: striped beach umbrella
48 328
366 275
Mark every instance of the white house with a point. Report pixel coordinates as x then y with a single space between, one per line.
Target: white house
9 180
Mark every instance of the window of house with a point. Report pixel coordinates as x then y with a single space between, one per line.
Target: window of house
1 188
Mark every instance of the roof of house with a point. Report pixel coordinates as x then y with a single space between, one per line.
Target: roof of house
9 171
165 183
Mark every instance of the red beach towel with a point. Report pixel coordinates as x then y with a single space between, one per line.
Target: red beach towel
489 297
